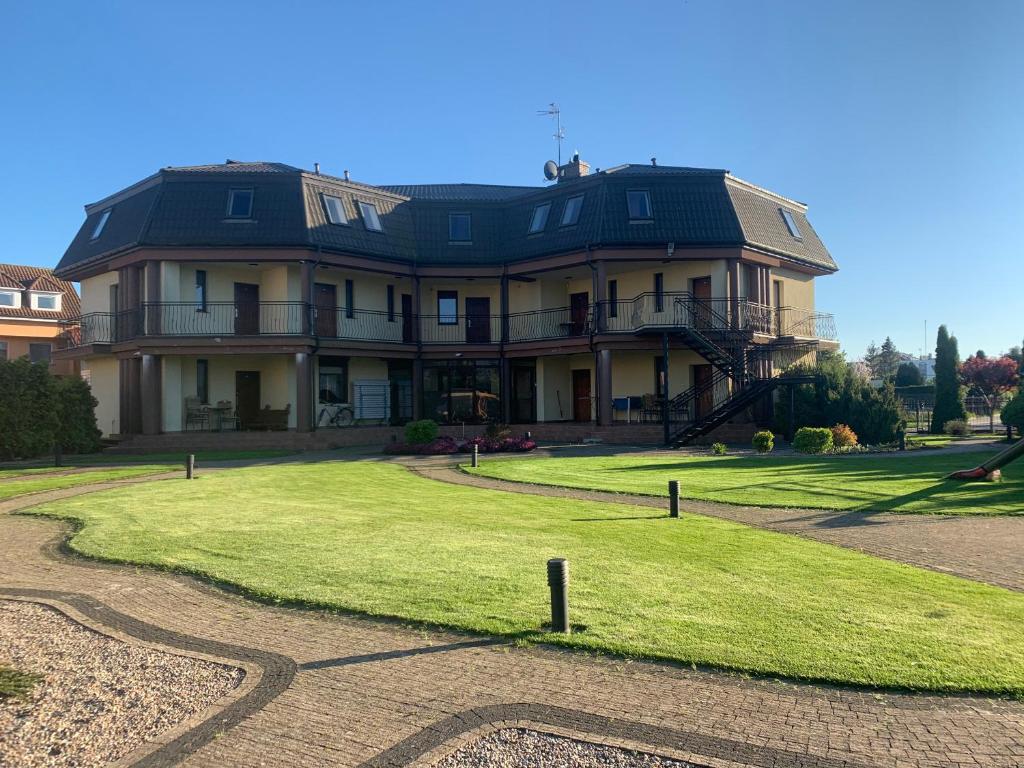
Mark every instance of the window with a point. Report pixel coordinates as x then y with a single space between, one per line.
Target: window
613 298
45 301
100 224
334 209
447 307
639 202
203 380
539 220
9 299
391 303
239 203
659 377
3 350
460 229
571 212
659 292
201 291
370 218
794 230
113 297
39 353
350 291
333 380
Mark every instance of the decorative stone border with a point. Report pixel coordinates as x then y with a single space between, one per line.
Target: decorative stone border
274 671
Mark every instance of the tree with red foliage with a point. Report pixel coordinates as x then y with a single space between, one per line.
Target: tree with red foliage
991 377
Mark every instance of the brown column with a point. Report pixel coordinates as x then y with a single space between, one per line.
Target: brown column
600 294
503 308
151 398
603 364
130 407
152 315
734 292
306 279
416 310
129 299
303 392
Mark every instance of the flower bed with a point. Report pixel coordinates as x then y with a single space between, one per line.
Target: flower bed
446 445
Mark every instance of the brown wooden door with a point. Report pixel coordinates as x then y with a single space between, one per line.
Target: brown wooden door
407 318
702 302
579 308
478 320
705 402
247 396
326 299
247 309
524 401
581 395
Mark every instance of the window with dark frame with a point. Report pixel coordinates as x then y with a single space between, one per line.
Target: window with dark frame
447 307
659 377
791 225
350 310
98 229
203 380
333 384
334 209
659 292
240 203
391 303
460 228
613 298
539 219
571 212
639 204
371 219
39 353
200 290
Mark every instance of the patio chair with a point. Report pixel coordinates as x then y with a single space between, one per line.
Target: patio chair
197 416
650 408
227 415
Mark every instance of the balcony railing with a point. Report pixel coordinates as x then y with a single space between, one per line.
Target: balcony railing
648 311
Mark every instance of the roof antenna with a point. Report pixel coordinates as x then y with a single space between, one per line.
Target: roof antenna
555 112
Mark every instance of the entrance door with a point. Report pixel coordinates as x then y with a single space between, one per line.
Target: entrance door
581 395
326 300
705 402
524 401
478 320
407 318
579 307
247 396
702 302
247 309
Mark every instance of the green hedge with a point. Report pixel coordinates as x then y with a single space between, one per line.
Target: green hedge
813 440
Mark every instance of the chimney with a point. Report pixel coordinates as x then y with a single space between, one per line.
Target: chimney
316 168
347 178
654 162
574 169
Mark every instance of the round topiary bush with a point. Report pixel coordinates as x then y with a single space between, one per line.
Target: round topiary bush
719 449
843 436
764 441
813 440
1012 414
421 432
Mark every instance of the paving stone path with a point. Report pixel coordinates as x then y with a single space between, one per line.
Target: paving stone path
333 690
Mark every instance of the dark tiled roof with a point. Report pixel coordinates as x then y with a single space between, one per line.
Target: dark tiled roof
694 207
38 279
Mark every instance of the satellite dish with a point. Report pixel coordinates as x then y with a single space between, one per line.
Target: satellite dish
550 170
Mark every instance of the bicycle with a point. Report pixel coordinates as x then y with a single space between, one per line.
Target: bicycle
338 415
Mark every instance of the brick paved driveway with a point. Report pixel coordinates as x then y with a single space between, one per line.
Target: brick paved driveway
353 692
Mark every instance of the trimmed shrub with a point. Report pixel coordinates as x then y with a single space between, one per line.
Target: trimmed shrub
29 410
764 441
813 440
843 436
445 445
421 432
957 428
1012 414
76 411
719 449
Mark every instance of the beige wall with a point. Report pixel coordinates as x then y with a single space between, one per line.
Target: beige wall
797 288
96 292
102 375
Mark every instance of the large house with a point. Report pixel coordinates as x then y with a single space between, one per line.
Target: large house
640 301
34 305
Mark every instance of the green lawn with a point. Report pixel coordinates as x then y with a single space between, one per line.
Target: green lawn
32 483
15 684
910 483
371 537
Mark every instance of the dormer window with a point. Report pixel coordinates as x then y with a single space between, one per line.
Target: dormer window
460 228
539 220
240 203
334 209
794 230
571 212
10 299
100 224
639 204
48 302
370 218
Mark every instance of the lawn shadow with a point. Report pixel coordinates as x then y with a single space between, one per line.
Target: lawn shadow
663 516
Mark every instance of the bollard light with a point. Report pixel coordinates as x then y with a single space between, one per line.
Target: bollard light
475 462
190 466
558 581
673 498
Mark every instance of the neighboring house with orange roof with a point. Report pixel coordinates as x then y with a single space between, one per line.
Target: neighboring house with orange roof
33 306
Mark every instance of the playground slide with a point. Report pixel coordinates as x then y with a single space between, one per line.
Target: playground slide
998 461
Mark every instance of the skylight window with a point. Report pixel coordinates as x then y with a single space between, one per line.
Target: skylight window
370 218
639 203
571 212
460 228
98 229
794 230
334 209
539 220
240 203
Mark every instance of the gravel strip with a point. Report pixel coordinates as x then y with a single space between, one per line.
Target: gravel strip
519 748
99 698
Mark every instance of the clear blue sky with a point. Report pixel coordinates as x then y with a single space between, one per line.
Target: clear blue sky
900 123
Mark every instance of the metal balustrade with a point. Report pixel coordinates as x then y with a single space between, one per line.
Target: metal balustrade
460 329
542 324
